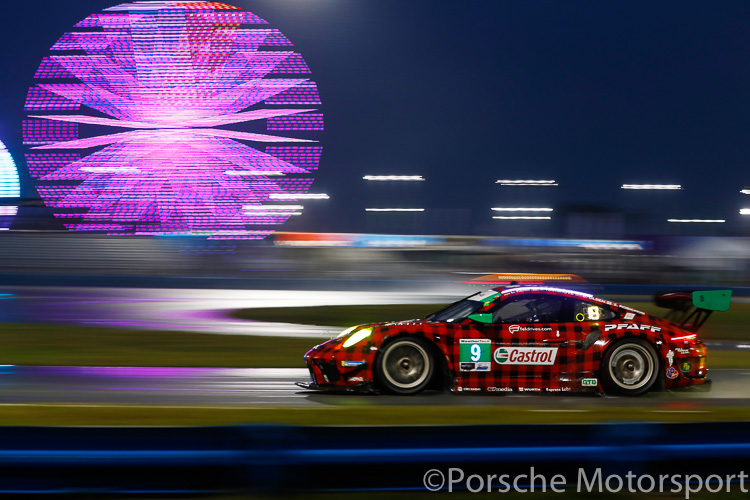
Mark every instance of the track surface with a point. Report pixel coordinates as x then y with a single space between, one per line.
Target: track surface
275 387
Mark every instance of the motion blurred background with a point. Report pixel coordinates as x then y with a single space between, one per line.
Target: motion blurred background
625 120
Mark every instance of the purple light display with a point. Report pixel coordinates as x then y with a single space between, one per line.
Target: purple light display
172 117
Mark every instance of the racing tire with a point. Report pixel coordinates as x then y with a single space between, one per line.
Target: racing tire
629 368
405 366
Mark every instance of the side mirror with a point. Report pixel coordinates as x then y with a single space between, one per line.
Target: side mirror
481 317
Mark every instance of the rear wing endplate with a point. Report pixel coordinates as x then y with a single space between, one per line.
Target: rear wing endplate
713 300
692 309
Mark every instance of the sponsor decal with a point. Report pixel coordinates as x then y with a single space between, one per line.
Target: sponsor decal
589 382
499 389
468 389
529 389
631 326
629 316
352 363
474 355
557 389
672 373
356 379
501 355
519 328
526 355
686 366
670 357
682 351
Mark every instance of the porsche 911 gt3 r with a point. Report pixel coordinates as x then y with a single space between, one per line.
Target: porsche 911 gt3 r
524 339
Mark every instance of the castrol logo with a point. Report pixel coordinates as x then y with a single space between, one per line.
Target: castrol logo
525 355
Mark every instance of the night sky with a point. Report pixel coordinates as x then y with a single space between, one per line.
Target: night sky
591 94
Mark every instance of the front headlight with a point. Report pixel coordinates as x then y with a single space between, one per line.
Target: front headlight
357 336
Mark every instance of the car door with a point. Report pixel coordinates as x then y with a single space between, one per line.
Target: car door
527 340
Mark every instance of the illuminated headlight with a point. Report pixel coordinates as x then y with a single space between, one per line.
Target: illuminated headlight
357 336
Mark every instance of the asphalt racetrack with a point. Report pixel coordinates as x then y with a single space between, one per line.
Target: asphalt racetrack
243 387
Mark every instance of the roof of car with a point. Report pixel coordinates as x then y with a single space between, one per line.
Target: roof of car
528 278
563 291
559 291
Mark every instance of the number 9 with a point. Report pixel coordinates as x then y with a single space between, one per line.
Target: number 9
476 352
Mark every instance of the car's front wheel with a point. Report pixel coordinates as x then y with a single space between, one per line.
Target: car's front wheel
629 368
405 366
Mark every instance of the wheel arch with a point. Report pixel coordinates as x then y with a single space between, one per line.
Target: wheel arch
613 341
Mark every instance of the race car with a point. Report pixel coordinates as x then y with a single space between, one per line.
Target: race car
524 339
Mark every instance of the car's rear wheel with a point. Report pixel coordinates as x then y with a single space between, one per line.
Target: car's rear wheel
629 368
405 366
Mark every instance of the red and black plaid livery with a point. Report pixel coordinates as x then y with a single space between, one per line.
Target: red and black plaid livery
580 347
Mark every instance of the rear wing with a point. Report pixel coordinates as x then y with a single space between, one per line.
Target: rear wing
691 309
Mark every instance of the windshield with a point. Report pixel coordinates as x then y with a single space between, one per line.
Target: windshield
459 310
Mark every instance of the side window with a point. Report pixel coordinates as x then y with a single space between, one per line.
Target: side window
586 311
529 308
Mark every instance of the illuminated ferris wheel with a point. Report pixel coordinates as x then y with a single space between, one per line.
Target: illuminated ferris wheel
173 117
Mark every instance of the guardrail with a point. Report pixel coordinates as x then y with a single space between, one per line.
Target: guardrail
284 459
